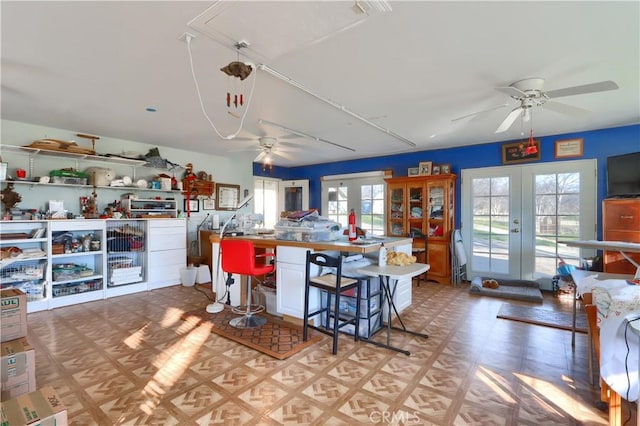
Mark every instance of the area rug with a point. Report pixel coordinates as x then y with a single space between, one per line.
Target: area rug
546 317
277 338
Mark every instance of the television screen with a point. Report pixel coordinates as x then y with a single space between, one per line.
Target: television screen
623 175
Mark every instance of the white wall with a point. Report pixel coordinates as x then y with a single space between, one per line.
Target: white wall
223 169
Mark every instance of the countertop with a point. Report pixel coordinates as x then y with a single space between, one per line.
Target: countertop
342 244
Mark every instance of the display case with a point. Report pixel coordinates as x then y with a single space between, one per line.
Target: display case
126 256
77 261
23 263
424 205
150 207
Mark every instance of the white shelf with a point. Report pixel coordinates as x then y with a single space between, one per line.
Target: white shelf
103 159
67 185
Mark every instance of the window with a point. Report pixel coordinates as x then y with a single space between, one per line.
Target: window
265 200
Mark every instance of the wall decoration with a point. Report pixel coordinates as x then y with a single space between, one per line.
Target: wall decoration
518 152
227 196
413 171
191 205
425 168
208 204
445 169
569 148
435 170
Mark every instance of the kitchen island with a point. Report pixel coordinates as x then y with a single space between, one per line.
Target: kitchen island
290 267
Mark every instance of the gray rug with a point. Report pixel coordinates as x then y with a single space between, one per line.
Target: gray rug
509 289
546 317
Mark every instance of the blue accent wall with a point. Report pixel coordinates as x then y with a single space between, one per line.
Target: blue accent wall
598 144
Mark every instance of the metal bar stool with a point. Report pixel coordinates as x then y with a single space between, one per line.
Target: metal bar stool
333 285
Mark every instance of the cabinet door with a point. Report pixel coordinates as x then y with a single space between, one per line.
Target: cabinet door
620 222
416 218
437 210
396 208
290 289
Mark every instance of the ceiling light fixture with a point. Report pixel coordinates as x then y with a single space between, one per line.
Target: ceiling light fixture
304 135
342 108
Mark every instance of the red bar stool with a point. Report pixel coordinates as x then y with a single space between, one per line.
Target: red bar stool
239 257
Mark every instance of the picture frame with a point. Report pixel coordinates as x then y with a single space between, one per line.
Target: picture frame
413 171
191 205
227 196
445 169
208 204
435 170
569 148
424 168
520 152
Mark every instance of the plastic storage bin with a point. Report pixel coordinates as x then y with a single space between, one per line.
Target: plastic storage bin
301 233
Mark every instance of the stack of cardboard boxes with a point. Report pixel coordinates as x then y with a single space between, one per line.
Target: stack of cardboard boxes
22 403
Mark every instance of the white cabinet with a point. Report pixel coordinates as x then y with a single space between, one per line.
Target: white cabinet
77 261
167 248
24 260
150 207
290 279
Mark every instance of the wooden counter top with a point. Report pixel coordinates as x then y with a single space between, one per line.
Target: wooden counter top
342 244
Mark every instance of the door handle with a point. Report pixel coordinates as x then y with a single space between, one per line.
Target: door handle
515 230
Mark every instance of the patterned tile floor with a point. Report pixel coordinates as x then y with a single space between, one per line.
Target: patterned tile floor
131 361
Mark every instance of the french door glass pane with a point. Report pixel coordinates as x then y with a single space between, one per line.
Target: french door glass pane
337 204
490 218
557 198
372 209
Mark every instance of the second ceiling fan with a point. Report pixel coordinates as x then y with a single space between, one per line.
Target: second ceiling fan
529 93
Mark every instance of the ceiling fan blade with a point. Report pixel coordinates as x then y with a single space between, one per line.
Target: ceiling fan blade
512 91
515 113
260 157
566 109
480 112
601 86
284 155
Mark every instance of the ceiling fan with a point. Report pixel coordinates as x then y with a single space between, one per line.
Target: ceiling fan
269 147
529 93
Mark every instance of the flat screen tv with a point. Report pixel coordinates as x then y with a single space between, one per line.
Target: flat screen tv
623 175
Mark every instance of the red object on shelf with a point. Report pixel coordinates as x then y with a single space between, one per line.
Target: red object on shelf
352 226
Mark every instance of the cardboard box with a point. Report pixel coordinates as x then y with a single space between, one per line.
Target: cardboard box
17 368
42 407
13 314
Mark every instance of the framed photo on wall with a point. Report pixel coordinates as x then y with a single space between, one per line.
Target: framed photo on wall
413 171
518 152
424 168
569 148
208 204
191 205
227 196
435 170
445 169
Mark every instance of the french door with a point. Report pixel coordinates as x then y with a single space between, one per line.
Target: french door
513 217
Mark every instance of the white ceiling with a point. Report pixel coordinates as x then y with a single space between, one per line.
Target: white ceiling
94 67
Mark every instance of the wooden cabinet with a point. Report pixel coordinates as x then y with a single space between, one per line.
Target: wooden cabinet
620 222
425 204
